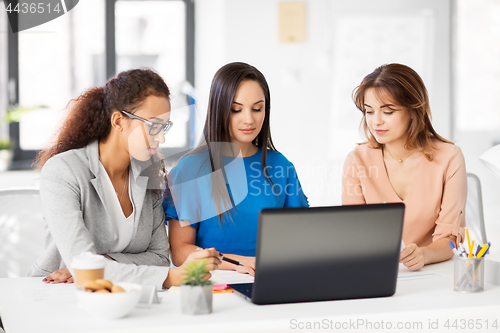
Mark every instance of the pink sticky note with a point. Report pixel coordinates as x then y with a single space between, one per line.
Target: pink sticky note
220 287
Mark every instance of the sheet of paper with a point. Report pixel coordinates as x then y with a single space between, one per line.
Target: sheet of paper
402 246
49 293
405 274
222 277
292 22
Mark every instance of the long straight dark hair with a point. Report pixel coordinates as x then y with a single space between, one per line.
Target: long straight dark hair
222 91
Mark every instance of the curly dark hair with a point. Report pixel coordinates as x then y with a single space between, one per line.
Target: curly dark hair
89 115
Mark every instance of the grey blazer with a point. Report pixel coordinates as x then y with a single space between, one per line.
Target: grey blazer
71 193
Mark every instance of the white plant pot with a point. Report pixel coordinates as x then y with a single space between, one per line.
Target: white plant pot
196 299
5 158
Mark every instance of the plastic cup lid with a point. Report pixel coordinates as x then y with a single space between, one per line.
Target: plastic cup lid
88 260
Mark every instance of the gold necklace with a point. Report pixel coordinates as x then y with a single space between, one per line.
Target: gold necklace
400 160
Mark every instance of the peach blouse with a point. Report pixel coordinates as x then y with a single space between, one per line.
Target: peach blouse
435 205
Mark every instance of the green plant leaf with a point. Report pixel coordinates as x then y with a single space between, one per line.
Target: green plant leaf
14 114
5 144
195 274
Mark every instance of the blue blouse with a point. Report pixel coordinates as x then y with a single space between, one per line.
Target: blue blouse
190 198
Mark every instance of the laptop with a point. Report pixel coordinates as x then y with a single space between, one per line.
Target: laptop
326 253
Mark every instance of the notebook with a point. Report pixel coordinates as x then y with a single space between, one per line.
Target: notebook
326 253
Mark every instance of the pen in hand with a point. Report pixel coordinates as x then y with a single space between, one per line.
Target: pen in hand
234 262
221 256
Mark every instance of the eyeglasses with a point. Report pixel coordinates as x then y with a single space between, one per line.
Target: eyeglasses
154 128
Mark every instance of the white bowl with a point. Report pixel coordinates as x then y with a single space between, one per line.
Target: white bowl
112 305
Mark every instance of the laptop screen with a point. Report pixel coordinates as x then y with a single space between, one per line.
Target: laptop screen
326 253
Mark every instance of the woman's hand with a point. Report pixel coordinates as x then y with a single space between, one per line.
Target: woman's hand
60 276
211 255
175 275
249 263
249 267
412 257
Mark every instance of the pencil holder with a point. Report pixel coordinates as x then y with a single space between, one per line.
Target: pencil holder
469 274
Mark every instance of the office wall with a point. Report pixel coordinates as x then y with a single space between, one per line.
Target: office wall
477 111
314 122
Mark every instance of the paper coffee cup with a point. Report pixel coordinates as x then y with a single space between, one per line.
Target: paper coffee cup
87 267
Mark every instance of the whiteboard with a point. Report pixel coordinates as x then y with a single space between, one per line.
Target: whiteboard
366 35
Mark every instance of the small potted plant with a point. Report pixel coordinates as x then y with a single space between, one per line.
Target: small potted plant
7 146
5 154
196 290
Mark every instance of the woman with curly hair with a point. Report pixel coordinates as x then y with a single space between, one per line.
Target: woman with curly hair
101 184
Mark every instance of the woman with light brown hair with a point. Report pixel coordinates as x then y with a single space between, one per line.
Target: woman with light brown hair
405 160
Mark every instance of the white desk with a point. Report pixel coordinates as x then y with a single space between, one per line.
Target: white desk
28 305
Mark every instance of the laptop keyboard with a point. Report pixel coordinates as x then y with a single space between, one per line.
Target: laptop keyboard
247 291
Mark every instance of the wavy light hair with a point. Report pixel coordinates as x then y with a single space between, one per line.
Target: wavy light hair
406 88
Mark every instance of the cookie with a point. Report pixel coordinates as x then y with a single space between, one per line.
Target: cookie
105 283
92 285
117 289
102 291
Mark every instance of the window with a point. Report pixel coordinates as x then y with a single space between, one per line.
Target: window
54 62
152 34
4 28
57 61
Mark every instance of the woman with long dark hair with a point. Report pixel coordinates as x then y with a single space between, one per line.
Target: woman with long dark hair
218 189
405 160
101 184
